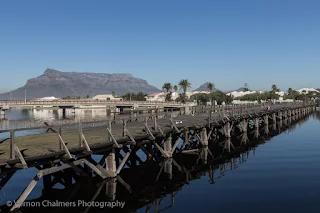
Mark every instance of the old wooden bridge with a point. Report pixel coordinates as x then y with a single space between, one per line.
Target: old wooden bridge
159 136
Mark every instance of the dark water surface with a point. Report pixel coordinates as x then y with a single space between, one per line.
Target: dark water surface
281 175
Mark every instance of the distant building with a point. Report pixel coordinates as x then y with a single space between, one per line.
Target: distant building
106 97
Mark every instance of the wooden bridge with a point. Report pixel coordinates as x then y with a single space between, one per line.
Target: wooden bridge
188 132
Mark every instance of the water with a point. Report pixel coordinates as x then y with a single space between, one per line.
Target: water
281 175
28 118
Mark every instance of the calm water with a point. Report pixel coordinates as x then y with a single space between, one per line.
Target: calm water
281 175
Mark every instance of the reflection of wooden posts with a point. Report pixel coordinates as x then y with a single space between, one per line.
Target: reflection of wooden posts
168 167
204 154
111 188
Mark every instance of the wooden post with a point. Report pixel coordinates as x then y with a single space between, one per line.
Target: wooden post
60 133
124 125
204 137
155 126
110 128
111 166
227 130
244 125
256 123
12 150
80 135
168 146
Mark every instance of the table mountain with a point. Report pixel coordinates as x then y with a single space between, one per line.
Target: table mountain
60 84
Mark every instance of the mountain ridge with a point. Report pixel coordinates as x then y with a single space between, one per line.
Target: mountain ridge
60 84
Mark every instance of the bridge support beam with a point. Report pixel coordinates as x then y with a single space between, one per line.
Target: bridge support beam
111 166
227 130
204 137
266 124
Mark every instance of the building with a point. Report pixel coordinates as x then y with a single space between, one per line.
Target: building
106 97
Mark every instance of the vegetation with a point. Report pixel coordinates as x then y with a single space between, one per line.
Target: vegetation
140 96
175 88
246 87
211 86
219 96
167 87
184 84
74 97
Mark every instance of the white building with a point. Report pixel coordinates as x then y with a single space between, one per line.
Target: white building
307 90
106 97
236 94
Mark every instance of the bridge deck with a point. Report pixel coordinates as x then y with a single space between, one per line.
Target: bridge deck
45 145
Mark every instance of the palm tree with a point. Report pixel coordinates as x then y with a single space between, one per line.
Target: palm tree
175 88
210 86
246 87
275 88
184 84
167 87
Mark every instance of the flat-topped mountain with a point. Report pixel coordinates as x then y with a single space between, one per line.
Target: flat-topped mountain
60 84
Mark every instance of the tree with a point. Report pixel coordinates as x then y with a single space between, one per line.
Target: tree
184 84
246 87
167 87
275 88
113 93
210 86
175 88
140 96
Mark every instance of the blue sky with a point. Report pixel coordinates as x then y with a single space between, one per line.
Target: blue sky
229 42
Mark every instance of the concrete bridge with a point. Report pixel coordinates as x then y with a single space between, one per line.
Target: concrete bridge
3 109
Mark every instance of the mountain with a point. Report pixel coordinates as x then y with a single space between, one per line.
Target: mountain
204 87
241 89
60 84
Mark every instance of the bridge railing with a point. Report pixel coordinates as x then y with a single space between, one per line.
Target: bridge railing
85 101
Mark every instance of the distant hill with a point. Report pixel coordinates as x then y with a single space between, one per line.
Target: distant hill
60 84
241 89
204 87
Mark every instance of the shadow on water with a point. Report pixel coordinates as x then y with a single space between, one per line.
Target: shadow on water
144 183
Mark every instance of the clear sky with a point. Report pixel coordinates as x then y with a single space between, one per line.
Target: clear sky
228 42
